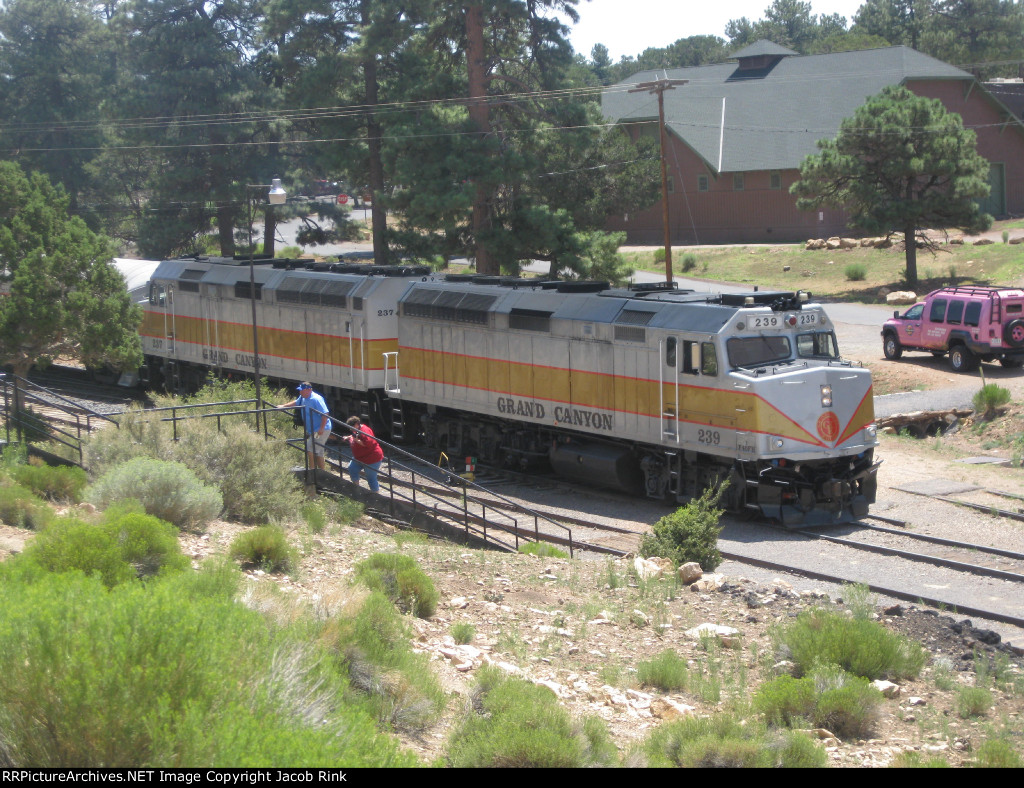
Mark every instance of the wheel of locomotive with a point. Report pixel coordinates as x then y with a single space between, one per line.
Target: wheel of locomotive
962 360
1012 362
891 346
1014 333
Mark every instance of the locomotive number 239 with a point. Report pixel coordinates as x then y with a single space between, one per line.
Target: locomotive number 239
709 437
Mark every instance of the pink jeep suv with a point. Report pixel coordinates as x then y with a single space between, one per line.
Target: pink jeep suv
971 324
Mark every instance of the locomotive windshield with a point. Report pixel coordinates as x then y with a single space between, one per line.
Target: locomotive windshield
820 344
755 351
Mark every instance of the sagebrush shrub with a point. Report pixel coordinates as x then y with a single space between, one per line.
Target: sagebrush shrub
403 691
667 671
724 741
69 545
401 580
786 700
909 759
21 509
845 705
253 475
53 482
315 515
542 550
513 723
125 545
138 434
265 547
997 754
347 511
463 632
689 534
158 674
147 543
973 702
167 490
859 646
856 272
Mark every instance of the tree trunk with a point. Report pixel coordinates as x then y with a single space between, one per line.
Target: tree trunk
376 166
269 231
910 242
226 230
478 111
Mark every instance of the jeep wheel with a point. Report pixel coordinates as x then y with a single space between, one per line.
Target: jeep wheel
891 347
962 360
1014 333
1014 362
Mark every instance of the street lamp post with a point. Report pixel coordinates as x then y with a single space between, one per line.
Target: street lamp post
276 196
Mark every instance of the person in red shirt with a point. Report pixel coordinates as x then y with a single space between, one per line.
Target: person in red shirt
366 453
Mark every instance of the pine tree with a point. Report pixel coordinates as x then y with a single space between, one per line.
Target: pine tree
901 163
61 292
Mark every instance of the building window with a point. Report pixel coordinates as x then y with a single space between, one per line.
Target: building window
703 183
737 182
775 180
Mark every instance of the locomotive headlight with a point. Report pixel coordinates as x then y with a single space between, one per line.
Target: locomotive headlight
826 396
776 443
871 432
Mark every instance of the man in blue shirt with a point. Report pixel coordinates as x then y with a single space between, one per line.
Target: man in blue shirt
317 421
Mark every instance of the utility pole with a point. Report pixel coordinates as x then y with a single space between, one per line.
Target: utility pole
659 87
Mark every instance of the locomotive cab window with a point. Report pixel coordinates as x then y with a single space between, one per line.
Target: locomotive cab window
708 359
820 344
159 295
670 352
755 351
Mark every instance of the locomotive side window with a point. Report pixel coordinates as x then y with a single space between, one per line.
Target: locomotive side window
708 359
691 357
670 352
820 344
158 295
754 351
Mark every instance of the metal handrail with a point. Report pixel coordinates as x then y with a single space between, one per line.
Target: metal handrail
467 484
438 505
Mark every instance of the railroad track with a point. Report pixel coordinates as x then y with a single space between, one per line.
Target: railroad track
606 534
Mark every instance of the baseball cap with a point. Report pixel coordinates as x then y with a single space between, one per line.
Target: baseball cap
304 385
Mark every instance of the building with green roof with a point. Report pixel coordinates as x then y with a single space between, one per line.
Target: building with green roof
739 130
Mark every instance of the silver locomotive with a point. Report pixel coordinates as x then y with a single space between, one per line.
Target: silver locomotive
650 390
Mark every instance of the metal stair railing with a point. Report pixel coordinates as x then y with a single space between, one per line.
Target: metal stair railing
19 394
465 515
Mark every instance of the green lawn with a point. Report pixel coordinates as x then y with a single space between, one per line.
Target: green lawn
825 272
